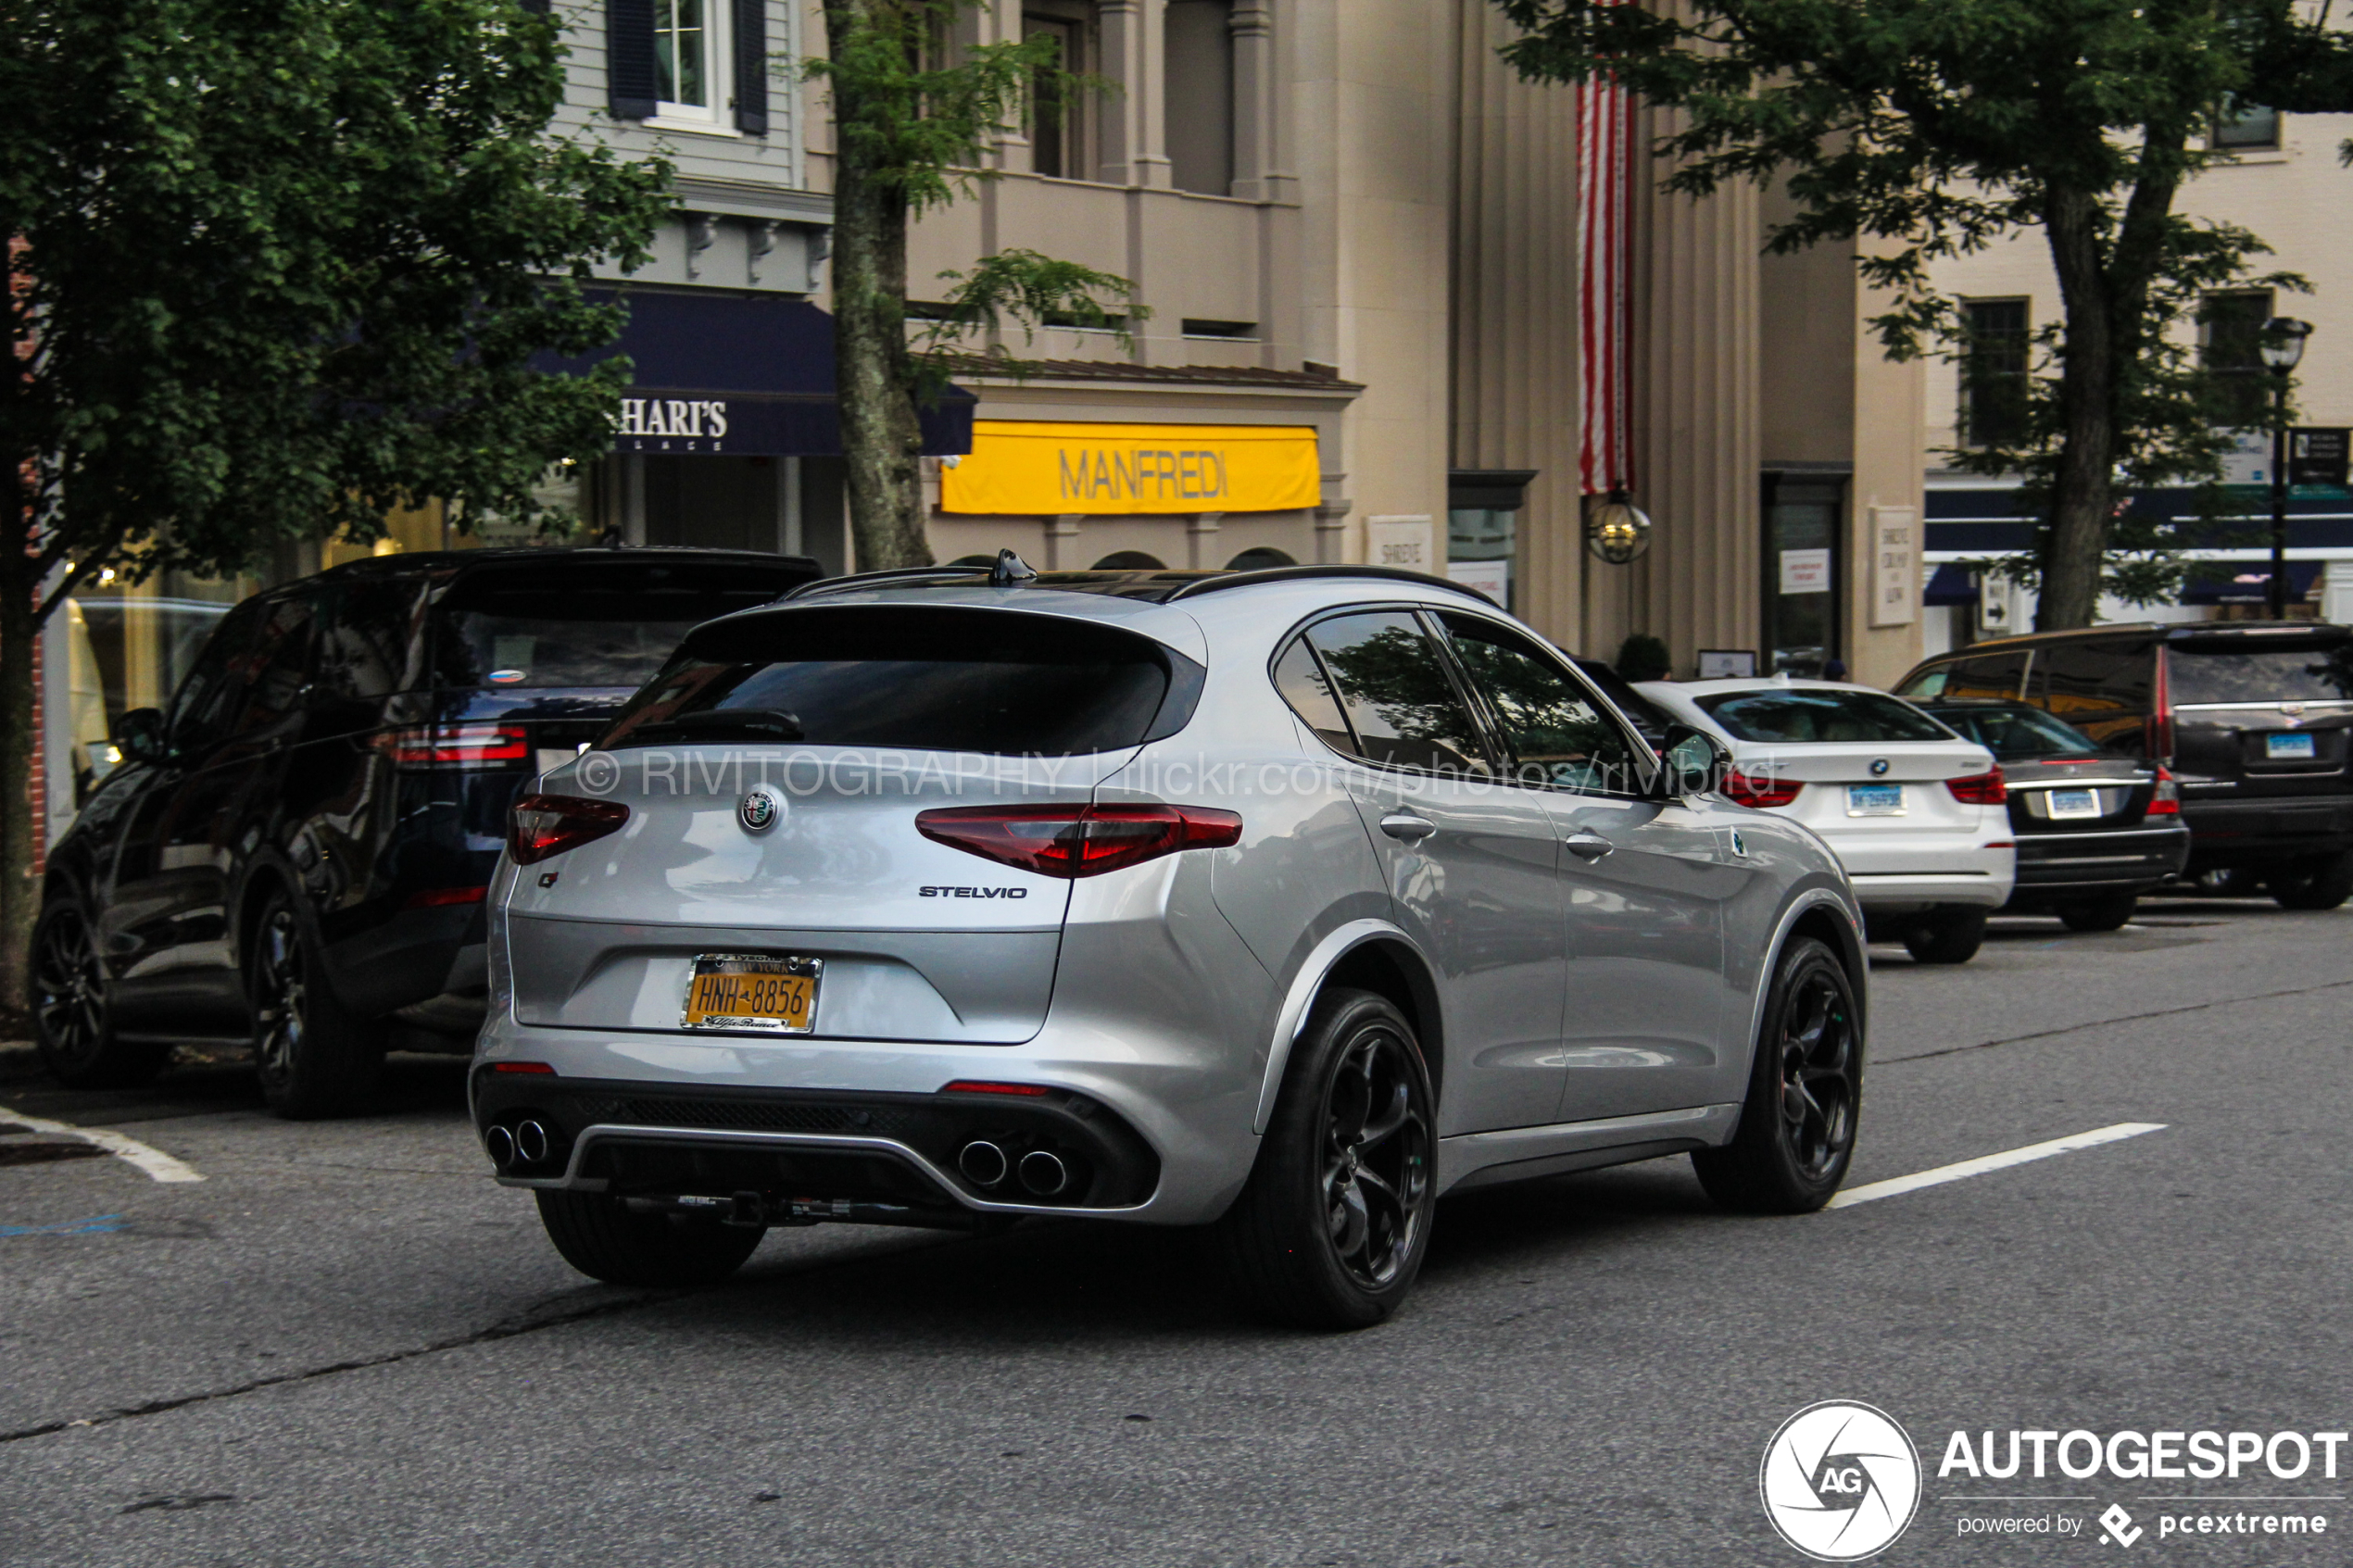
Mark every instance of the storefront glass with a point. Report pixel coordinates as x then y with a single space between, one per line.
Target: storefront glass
1803 570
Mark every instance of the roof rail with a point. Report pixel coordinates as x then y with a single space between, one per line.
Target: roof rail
896 575
1298 573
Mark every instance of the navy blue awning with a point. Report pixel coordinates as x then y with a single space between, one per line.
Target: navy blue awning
1953 583
2246 582
746 375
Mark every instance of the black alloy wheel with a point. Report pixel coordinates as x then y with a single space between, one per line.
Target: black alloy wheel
313 1057
1796 1134
73 1008
1332 1228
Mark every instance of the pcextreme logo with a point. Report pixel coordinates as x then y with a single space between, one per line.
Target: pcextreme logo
1841 1481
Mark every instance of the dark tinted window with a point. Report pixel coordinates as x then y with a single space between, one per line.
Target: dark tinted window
1647 716
1553 733
1996 676
2294 669
251 676
916 677
1309 690
368 642
2015 732
2103 686
1926 683
1404 708
208 700
575 622
1800 715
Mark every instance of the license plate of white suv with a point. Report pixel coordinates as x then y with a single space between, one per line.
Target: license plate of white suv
2066 803
1874 800
775 992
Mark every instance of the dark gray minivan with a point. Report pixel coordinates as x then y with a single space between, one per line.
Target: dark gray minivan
2253 717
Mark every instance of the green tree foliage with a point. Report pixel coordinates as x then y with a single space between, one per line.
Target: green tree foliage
276 267
1930 129
915 115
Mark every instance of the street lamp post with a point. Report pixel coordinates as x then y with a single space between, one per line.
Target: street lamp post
2282 345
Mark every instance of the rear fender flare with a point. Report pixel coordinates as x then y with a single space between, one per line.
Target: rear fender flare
1299 1000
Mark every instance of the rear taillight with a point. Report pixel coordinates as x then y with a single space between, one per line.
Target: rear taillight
1072 841
2168 802
549 824
458 745
1979 789
1751 790
2160 720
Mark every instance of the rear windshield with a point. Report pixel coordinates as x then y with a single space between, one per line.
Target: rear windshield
1865 718
2230 671
2018 733
575 626
918 677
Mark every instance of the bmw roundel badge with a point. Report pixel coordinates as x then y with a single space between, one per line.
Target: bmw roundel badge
759 810
1878 769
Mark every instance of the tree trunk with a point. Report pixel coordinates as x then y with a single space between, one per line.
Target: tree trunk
20 754
2075 545
881 439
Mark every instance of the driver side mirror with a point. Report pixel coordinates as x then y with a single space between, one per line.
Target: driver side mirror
1694 762
139 733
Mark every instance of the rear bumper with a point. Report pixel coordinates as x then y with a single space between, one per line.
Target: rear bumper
2265 829
1181 1105
2111 862
1918 889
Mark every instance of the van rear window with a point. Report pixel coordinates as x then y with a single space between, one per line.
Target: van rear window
2228 670
916 677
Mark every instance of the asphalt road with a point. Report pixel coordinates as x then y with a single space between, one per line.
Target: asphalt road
345 1345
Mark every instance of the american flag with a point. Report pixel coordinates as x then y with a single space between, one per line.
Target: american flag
1604 143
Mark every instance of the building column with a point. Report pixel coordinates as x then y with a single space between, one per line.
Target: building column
1331 532
1133 149
1201 540
1251 25
1062 541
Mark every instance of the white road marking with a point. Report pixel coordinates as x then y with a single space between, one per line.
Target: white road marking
159 1166
1942 1173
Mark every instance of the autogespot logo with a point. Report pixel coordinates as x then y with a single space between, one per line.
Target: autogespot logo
1839 1481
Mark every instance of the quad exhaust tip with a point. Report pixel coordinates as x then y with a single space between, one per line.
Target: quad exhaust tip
983 1163
500 1146
1044 1173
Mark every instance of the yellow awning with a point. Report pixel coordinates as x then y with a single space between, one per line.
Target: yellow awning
1037 468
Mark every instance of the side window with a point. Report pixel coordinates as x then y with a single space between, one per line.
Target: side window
370 641
1309 690
277 671
1554 734
1927 683
1996 675
207 706
2102 686
1403 709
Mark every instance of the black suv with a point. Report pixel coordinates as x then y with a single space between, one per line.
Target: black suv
299 846
2253 718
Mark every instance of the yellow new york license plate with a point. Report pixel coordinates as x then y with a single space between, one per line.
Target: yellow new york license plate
753 991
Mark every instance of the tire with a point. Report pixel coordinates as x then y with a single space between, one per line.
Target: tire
2110 911
1949 933
606 1239
2319 884
1334 1222
71 999
1796 1134
314 1056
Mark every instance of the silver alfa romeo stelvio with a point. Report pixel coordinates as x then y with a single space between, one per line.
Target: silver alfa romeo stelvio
1280 902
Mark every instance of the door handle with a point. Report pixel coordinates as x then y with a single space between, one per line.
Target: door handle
1407 826
1587 845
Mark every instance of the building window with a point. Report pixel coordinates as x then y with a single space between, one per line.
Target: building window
2231 350
1994 362
690 59
2245 127
1059 111
1198 67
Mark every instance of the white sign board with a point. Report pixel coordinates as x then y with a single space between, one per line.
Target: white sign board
1896 572
1805 572
1493 578
1406 542
1727 664
2249 459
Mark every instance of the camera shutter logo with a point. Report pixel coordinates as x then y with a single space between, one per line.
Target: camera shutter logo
759 810
1841 1481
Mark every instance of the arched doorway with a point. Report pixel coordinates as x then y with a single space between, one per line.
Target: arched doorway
1130 560
1259 559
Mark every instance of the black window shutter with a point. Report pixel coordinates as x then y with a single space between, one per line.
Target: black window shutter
751 67
629 59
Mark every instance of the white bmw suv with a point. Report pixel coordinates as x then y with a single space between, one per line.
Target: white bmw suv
1917 814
